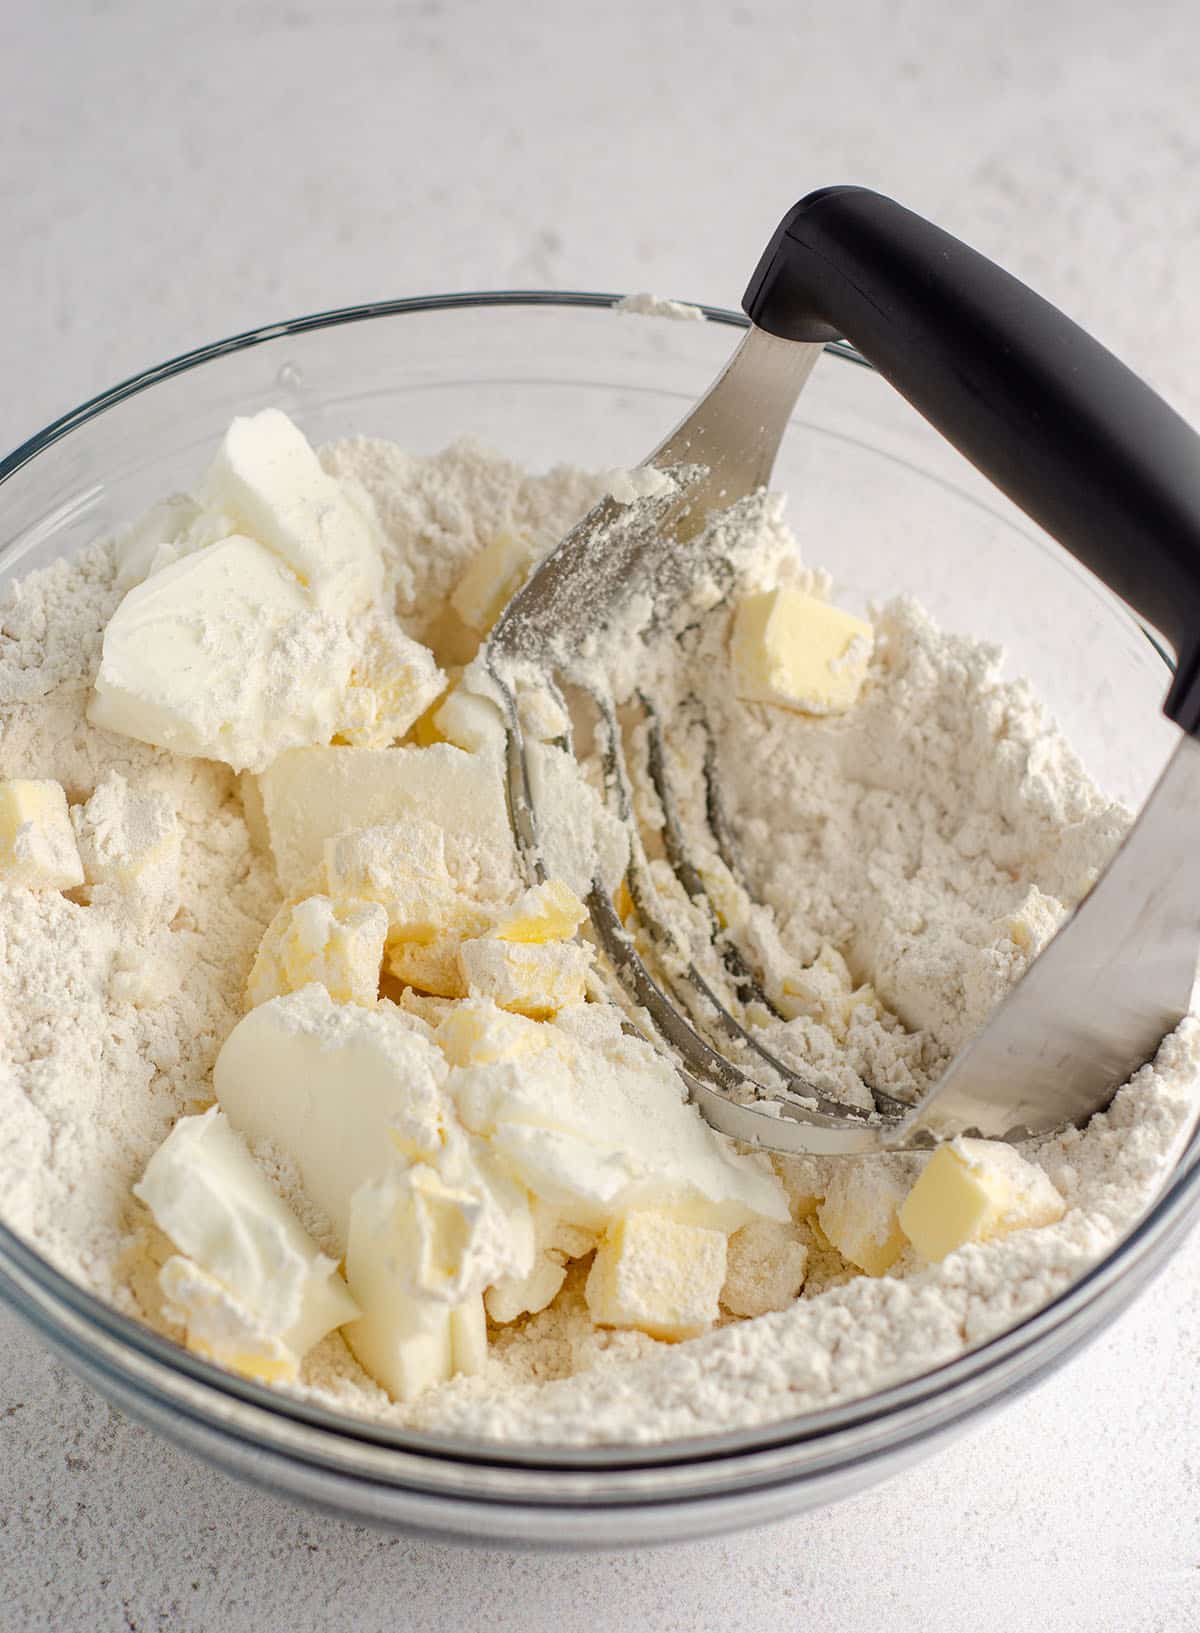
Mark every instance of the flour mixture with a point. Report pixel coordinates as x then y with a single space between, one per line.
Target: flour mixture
298 1069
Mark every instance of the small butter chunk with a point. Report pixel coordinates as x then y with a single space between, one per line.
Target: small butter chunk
791 649
1035 922
129 840
658 1275
220 1327
550 911
268 479
37 842
402 866
495 575
476 1033
859 1213
222 655
393 681
408 1340
209 1196
972 1190
314 794
339 1088
765 1268
470 722
641 482
430 967
516 1296
338 943
533 978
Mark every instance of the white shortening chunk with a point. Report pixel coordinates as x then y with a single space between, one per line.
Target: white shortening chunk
765 1268
497 573
972 1190
209 1196
268 479
791 649
37 842
340 1088
338 943
658 1275
470 722
402 866
130 841
222 655
393 681
314 794
550 911
533 978
859 1212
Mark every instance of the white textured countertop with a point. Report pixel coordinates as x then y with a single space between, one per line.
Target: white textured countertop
172 174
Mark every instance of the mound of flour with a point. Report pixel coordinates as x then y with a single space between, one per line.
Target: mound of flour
936 835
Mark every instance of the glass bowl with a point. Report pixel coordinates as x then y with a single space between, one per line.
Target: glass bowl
876 497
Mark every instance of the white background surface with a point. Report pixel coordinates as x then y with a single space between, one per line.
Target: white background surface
169 174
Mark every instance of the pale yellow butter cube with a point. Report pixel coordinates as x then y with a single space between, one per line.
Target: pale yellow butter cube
402 865
793 650
859 1212
469 722
339 944
495 575
477 1033
972 1190
660 1276
550 911
765 1268
533 978
37 842
431 967
392 683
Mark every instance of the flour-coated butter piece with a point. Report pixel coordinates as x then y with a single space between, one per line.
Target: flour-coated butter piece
470 722
222 655
791 649
338 943
532 978
129 841
393 682
476 1032
765 1268
314 794
859 1212
218 1326
210 1197
493 577
37 842
267 477
973 1190
429 967
402 866
550 911
658 1275
341 1089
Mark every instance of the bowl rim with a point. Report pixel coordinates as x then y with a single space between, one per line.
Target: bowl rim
958 1387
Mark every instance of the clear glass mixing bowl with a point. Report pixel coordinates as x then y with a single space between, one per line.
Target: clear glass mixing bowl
878 498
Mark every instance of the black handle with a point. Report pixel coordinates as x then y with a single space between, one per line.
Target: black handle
1043 410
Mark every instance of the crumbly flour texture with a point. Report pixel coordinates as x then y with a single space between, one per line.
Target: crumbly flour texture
934 836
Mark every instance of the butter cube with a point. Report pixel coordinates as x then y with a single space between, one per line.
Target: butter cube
859 1213
210 1197
402 866
533 978
313 794
393 681
793 650
658 1275
340 944
495 575
477 1033
268 479
765 1268
972 1190
37 842
550 911
130 842
430 967
470 722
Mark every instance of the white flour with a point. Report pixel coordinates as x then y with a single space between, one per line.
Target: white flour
933 836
